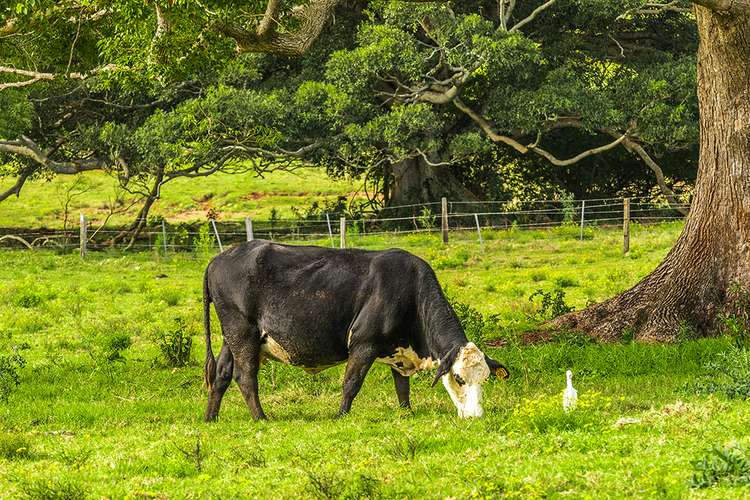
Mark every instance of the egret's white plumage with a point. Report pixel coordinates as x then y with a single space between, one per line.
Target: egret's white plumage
570 396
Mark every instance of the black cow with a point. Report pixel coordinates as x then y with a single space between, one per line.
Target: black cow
316 307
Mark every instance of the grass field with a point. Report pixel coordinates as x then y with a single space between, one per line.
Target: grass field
99 412
42 203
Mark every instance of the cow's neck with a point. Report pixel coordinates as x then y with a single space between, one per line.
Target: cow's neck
441 328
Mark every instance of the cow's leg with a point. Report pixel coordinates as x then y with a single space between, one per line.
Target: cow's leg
244 342
402 388
224 368
359 363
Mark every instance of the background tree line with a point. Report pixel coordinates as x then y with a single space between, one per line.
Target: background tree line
478 99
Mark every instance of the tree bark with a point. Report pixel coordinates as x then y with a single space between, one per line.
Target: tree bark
709 266
415 181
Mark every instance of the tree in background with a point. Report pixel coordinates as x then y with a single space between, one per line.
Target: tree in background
418 98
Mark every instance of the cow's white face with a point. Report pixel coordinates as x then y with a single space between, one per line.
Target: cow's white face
464 381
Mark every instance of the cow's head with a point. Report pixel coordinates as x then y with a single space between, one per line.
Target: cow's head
463 371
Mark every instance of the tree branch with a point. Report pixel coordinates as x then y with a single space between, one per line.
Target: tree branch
35 76
266 38
488 129
16 188
523 22
636 148
29 149
589 152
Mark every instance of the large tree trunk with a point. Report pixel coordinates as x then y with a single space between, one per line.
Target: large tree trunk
701 275
416 181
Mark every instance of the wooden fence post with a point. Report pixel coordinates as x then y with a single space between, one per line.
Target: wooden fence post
583 212
83 236
218 238
625 226
444 224
249 228
342 231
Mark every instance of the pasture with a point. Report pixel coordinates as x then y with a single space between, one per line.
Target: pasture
101 411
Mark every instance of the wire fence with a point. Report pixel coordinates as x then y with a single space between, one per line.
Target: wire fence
438 217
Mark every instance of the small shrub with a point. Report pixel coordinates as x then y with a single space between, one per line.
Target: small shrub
10 366
426 218
727 465
205 242
552 304
538 276
565 282
53 489
176 344
196 454
472 321
112 346
14 446
107 339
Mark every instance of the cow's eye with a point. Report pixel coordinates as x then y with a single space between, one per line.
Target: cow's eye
458 378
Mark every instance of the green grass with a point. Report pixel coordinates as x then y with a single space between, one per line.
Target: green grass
79 425
42 203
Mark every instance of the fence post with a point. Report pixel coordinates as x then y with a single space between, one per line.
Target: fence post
625 226
249 228
479 230
218 238
583 212
330 231
342 231
83 236
164 235
444 224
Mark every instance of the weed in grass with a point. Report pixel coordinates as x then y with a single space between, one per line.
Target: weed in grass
195 455
451 260
10 367
325 485
251 459
728 464
14 446
176 344
75 459
729 374
60 488
551 305
27 296
565 282
406 447
573 339
538 276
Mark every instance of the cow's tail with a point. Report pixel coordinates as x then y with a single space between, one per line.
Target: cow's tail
209 370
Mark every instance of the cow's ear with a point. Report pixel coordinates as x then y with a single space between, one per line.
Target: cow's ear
446 362
496 369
